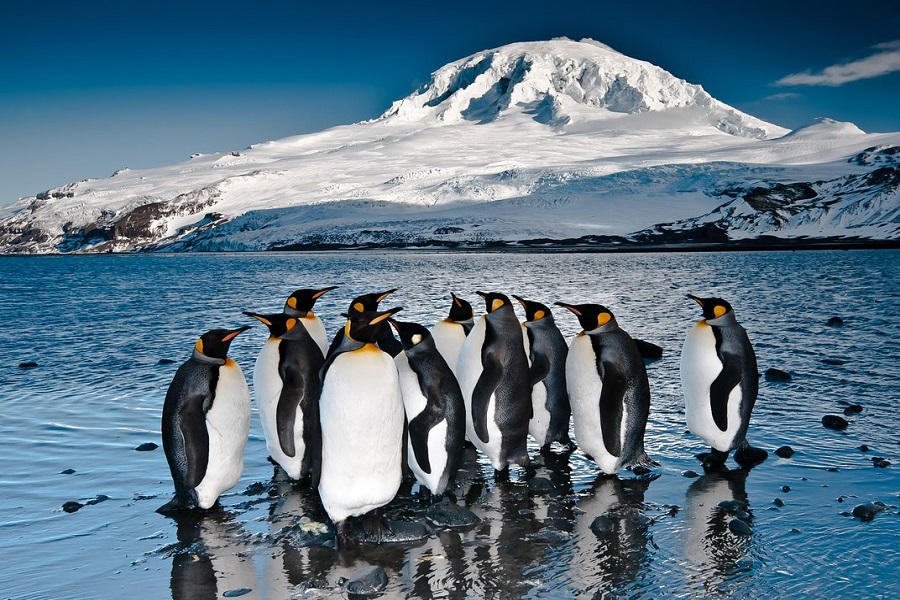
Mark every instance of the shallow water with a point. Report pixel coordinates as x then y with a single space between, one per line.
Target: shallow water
98 326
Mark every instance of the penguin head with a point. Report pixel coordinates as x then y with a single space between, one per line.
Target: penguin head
460 310
279 324
494 301
715 310
365 326
410 334
301 302
534 311
215 343
369 302
593 318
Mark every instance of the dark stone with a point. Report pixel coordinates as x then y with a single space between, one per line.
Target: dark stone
370 582
690 474
67 472
835 321
853 409
863 448
785 488
146 447
71 507
748 457
398 532
777 375
540 485
602 525
785 452
794 530
165 361
881 463
733 506
866 511
236 593
28 365
449 515
738 527
778 502
649 350
835 422
832 469
641 470
97 500
255 489
833 361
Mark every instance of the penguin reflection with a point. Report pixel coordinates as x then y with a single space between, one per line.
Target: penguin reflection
711 550
210 558
612 534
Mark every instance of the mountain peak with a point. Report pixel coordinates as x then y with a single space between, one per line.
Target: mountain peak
559 81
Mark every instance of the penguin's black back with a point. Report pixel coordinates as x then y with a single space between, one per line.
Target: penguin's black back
299 366
548 351
739 367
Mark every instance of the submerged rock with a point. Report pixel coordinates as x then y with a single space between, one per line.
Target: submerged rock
853 409
833 361
778 502
602 525
370 582
867 510
398 532
784 452
28 365
165 361
835 321
540 485
777 375
449 515
147 447
690 473
835 422
67 472
739 527
71 507
237 593
863 448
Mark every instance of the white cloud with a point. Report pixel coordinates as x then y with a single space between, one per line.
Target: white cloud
885 60
785 96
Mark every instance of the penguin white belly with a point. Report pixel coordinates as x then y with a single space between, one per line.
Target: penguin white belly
437 457
267 387
700 365
362 433
449 339
585 386
539 424
228 425
316 330
413 400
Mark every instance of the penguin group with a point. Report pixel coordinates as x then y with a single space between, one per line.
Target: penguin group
354 417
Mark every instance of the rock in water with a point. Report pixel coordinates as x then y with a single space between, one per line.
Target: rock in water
835 422
738 527
449 515
835 321
368 583
602 525
853 409
71 507
28 365
785 452
833 361
146 447
866 511
777 375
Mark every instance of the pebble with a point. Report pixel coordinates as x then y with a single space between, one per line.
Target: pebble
785 452
832 469
67 472
71 507
165 361
28 365
785 488
540 485
738 527
834 422
733 506
147 447
778 502
833 361
835 321
236 593
690 473
602 525
863 448
370 582
777 375
866 511
880 462
641 470
853 409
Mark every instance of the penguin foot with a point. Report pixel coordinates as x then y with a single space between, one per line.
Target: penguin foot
748 457
343 536
180 503
501 474
713 460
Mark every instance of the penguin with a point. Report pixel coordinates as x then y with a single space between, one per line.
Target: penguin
547 351
434 408
369 302
300 305
494 379
720 381
450 333
608 390
286 385
206 423
362 416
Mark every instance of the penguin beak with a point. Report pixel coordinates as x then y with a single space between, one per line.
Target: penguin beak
384 295
696 299
234 333
574 310
259 318
323 291
520 299
482 294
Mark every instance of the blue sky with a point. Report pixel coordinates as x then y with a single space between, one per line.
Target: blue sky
92 86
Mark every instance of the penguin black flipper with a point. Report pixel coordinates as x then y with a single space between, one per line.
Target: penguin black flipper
419 428
300 359
492 371
540 367
286 413
195 436
612 401
724 383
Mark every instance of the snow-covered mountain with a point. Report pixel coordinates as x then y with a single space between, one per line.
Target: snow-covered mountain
536 143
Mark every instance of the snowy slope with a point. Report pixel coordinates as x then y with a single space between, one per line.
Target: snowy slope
557 140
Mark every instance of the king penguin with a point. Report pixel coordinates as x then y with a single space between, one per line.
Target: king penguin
369 303
450 333
547 350
205 423
493 376
286 385
608 390
300 305
434 408
720 380
362 416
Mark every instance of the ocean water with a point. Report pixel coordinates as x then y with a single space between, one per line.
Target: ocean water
98 326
